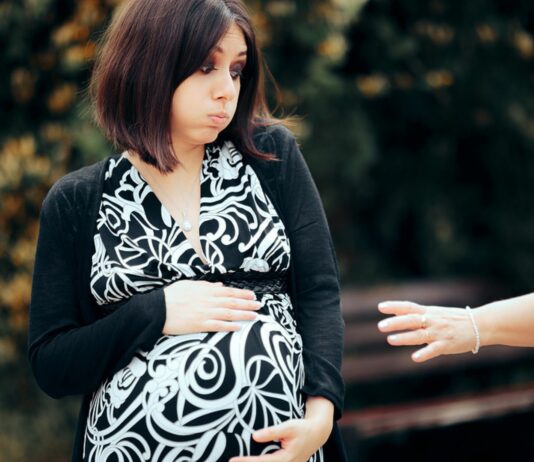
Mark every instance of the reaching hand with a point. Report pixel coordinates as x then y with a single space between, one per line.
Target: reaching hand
444 330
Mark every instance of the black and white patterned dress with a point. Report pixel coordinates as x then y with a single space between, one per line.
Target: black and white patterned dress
194 397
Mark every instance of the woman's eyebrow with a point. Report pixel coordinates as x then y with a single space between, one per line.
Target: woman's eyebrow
220 50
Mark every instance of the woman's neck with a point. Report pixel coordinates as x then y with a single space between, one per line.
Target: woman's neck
187 169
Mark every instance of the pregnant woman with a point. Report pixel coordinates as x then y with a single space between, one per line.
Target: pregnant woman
188 286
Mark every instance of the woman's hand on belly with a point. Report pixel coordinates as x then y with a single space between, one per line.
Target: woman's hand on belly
202 306
299 438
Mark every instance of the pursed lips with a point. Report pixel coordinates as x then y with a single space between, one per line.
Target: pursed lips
219 118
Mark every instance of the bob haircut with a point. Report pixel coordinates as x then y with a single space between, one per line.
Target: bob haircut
150 47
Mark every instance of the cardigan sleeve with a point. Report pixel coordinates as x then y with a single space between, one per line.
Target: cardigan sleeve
316 278
66 356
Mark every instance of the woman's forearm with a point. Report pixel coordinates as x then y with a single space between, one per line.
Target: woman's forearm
321 411
507 322
318 407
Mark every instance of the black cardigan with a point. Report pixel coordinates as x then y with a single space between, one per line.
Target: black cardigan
72 350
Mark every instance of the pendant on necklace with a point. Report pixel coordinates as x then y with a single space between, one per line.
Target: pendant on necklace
186 225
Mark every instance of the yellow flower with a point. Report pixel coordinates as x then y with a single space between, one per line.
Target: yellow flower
22 253
16 293
70 32
440 34
22 85
334 47
439 78
524 43
62 97
372 85
8 350
18 147
486 33
279 8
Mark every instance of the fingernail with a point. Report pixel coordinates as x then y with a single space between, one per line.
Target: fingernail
392 338
383 305
416 355
383 324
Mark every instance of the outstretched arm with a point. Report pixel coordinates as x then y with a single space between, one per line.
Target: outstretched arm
448 330
507 322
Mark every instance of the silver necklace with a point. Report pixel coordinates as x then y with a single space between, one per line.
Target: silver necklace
186 223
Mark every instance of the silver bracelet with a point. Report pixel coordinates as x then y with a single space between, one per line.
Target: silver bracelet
475 328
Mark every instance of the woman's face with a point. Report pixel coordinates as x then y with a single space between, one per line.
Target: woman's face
204 104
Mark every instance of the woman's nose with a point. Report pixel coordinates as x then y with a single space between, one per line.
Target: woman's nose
226 87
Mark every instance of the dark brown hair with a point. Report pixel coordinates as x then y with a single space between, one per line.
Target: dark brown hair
150 47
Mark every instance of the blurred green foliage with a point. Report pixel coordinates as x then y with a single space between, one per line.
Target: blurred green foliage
417 123
46 48
444 184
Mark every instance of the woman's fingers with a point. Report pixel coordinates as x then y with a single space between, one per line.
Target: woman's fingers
236 303
275 432
232 309
402 322
278 456
232 304
442 329
400 307
215 325
432 350
233 292
229 314
416 337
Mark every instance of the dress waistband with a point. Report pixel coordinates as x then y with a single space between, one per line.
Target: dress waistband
259 282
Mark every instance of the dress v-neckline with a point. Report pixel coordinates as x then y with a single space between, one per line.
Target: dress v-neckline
174 222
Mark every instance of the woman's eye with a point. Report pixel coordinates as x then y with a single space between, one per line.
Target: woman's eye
207 68
235 73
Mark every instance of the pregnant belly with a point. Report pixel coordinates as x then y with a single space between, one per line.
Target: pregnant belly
197 392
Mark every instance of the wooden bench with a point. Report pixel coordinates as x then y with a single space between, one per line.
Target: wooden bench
387 392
